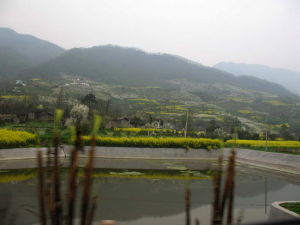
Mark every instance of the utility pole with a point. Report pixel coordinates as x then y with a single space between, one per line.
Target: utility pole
186 123
235 139
266 147
266 195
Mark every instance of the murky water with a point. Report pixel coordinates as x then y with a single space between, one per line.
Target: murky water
156 199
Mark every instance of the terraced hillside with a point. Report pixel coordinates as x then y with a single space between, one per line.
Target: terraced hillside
225 104
120 82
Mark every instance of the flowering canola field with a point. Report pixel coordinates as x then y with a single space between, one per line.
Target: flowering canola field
153 142
140 130
263 143
9 138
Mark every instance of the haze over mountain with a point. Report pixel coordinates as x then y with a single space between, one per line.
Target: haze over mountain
129 66
111 64
20 51
12 62
287 78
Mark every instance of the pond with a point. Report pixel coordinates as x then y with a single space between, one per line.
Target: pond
152 195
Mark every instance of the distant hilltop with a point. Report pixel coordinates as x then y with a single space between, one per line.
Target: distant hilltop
287 78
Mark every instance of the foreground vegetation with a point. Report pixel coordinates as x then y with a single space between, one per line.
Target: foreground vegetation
9 138
153 142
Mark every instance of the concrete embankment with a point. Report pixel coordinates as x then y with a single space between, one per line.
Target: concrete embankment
269 160
275 161
278 212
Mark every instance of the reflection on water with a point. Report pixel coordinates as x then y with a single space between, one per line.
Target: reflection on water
154 200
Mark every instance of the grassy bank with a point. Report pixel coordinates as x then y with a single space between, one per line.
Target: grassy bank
152 174
16 175
292 206
19 175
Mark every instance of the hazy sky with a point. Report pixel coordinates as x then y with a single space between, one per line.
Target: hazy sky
207 31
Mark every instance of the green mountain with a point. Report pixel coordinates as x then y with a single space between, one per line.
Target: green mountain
129 66
287 78
19 51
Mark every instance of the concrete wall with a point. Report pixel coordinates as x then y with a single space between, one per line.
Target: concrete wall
155 153
276 161
21 153
117 152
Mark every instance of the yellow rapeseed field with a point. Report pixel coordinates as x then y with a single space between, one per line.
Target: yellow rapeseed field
9 138
263 143
139 130
154 142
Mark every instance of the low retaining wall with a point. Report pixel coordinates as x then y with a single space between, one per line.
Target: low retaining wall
279 213
276 161
155 153
22 153
117 152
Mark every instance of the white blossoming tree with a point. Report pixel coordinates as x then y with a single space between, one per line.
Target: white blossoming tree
78 115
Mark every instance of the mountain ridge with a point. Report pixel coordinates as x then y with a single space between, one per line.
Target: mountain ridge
113 64
130 66
288 78
35 49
